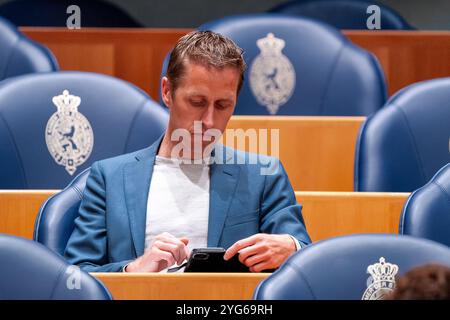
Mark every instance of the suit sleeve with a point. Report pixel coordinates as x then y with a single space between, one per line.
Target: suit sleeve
280 212
87 246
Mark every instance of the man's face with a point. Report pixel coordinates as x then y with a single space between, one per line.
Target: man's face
203 94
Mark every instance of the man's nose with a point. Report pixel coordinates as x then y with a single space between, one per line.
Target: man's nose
208 117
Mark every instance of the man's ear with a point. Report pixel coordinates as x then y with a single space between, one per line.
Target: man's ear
166 92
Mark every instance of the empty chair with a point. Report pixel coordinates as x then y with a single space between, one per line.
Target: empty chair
298 66
28 270
92 13
426 213
344 14
403 145
351 267
55 125
20 55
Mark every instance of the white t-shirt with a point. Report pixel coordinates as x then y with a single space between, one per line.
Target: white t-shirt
178 202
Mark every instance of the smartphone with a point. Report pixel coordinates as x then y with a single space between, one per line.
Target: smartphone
211 260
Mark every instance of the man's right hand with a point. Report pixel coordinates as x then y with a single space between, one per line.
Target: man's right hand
165 251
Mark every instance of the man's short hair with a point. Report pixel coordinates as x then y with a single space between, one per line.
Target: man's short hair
206 48
428 282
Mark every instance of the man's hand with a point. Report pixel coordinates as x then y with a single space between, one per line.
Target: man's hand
262 251
164 252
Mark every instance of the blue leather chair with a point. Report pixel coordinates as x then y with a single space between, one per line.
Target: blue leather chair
426 213
343 14
43 148
401 147
20 55
29 271
56 219
94 13
337 268
308 68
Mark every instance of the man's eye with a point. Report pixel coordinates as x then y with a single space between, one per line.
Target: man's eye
222 106
198 103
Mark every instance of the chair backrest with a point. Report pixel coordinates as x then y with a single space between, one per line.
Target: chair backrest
426 213
20 55
56 219
57 124
350 267
344 14
403 145
93 13
291 72
28 270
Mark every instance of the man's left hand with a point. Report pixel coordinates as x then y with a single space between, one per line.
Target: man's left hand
262 251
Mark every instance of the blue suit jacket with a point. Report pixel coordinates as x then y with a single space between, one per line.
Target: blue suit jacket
110 229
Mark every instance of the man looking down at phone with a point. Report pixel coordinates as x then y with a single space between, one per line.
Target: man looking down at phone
145 211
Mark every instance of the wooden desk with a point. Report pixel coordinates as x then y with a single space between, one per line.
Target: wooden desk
136 55
18 210
326 214
331 214
407 56
317 152
211 286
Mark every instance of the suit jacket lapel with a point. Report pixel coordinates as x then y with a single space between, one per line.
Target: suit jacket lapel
137 176
224 178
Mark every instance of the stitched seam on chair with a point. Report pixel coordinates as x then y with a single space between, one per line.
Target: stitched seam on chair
19 158
401 226
419 160
60 273
138 112
357 163
444 191
303 278
11 54
333 69
78 191
381 76
53 62
37 224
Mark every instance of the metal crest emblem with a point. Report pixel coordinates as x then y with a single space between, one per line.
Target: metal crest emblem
272 75
381 281
68 135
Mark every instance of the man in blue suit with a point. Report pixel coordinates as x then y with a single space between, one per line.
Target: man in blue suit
145 211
